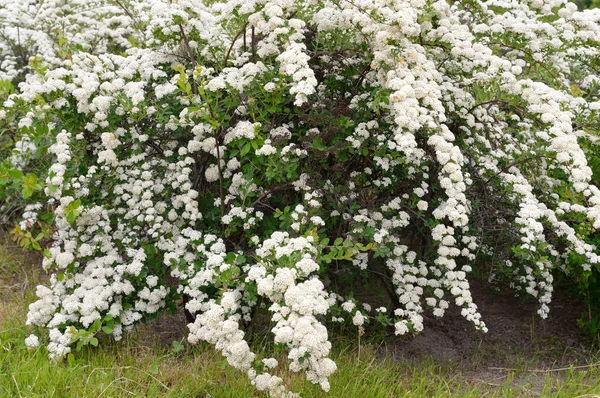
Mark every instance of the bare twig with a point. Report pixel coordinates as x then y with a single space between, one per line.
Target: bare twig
129 14
221 194
243 30
267 193
191 54
508 166
253 43
548 370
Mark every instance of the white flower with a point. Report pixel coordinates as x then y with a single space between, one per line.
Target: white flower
269 86
307 266
358 319
32 341
64 259
212 173
270 363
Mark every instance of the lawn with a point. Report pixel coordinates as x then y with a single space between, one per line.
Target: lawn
146 363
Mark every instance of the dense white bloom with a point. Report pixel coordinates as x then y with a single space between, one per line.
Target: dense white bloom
32 341
232 152
358 319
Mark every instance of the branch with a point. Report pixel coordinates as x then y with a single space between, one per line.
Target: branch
129 14
269 192
243 30
516 162
189 50
494 101
221 195
253 44
593 365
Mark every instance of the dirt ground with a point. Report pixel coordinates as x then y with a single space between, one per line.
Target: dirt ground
518 340
519 344
515 332
514 329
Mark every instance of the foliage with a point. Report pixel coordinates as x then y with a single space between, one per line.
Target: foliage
583 4
256 157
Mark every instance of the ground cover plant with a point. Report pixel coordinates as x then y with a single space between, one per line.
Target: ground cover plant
267 157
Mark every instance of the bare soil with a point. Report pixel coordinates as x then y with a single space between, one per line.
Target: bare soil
516 332
519 344
515 329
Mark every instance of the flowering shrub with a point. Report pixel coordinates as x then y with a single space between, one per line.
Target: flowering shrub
243 155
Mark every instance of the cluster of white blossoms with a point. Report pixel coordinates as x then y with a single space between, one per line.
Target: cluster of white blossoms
41 29
296 305
284 157
30 215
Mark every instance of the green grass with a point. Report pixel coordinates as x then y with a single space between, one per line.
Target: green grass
143 366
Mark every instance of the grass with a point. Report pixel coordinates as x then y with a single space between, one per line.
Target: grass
142 366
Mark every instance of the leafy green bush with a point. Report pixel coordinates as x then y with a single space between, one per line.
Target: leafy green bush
269 157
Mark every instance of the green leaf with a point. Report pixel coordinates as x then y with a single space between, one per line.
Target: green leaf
231 372
15 174
229 258
177 347
72 211
27 193
95 326
132 41
245 149
319 145
79 345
